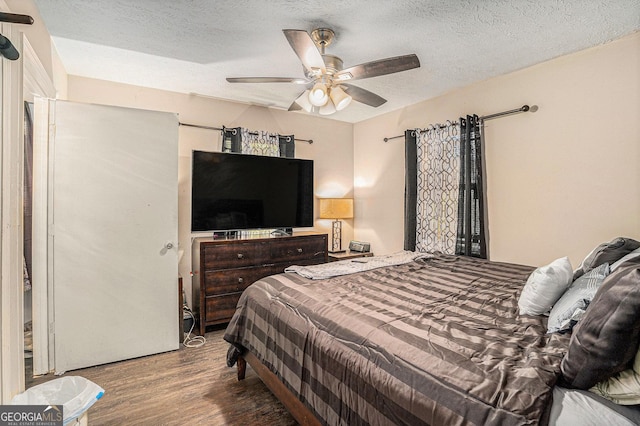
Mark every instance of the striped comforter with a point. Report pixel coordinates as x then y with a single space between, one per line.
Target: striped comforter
435 341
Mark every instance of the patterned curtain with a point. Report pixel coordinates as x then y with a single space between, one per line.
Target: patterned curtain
438 171
471 237
444 189
241 140
260 143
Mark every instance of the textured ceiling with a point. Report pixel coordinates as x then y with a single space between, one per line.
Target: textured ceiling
191 46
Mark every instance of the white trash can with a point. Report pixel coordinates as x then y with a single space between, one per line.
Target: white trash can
76 394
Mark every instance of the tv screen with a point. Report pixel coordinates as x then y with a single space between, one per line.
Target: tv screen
238 191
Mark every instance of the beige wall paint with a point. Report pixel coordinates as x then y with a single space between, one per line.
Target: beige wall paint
332 148
560 180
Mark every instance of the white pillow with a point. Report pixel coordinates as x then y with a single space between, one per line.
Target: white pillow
572 304
544 287
632 255
624 387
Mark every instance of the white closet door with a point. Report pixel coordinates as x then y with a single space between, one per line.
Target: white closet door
113 233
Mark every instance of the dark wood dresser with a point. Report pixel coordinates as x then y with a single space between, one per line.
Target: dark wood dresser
223 268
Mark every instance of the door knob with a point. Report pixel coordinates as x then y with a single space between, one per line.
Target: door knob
165 249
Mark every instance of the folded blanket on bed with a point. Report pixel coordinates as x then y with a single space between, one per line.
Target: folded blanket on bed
344 267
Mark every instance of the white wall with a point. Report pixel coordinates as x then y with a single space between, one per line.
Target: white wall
332 148
560 180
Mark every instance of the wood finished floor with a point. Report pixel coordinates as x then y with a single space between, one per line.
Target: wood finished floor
190 386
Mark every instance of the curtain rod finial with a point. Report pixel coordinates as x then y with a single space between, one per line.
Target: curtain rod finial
14 18
533 108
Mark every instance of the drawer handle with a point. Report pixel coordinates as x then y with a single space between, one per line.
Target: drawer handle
240 280
299 250
240 255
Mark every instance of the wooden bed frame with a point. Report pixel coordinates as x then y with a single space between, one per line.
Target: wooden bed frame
295 407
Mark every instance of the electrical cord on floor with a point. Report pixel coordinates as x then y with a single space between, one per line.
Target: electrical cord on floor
192 341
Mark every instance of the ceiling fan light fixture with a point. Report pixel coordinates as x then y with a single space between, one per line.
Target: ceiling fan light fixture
318 95
303 101
327 75
340 98
328 108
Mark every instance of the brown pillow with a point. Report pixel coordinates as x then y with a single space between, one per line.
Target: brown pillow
606 339
606 253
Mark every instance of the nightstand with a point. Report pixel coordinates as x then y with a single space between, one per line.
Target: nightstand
333 257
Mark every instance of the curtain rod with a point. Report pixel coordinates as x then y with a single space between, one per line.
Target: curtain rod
309 141
523 108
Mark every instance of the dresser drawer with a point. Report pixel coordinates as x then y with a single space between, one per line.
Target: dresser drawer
221 308
233 280
232 255
296 249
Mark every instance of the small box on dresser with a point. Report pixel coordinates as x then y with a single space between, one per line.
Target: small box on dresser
223 268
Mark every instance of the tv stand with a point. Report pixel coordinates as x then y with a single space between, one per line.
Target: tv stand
223 268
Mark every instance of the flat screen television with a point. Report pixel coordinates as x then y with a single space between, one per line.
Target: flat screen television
239 192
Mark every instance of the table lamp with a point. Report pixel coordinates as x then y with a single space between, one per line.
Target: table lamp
336 209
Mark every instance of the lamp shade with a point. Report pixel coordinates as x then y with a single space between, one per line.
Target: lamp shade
336 208
318 95
303 101
340 99
328 108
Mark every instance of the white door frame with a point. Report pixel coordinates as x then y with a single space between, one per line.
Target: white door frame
11 233
38 87
20 80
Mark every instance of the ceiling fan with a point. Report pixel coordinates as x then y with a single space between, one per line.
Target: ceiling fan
327 82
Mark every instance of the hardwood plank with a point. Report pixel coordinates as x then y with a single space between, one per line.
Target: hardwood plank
187 386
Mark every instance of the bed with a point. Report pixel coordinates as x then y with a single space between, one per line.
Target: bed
434 340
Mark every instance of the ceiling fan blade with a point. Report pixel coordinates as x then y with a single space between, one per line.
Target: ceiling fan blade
380 67
306 49
296 80
294 107
364 96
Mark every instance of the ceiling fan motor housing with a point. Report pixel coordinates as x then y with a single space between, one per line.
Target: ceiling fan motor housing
332 63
